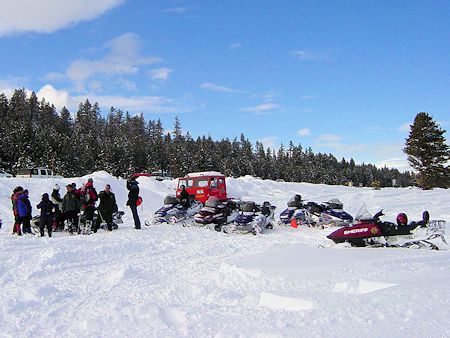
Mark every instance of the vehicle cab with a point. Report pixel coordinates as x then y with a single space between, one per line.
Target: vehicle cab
204 184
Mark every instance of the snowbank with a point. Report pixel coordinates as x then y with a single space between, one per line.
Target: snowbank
172 281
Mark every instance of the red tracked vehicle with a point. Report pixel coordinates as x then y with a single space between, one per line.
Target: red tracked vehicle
203 185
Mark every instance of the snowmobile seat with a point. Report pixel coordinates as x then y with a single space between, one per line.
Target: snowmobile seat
249 207
171 199
265 209
314 207
212 202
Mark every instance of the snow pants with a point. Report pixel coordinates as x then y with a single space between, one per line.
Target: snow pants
137 221
45 222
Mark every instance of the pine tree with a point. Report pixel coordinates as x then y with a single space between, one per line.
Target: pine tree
428 153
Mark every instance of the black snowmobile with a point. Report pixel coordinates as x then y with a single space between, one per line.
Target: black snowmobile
215 213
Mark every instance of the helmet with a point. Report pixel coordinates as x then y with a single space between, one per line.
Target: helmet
298 197
402 219
56 187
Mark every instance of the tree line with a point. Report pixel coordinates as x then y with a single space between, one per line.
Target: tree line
34 133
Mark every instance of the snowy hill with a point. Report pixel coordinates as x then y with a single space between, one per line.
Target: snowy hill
170 281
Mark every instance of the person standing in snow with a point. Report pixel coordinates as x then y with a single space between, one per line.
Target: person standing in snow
88 198
106 208
45 221
15 201
57 201
24 207
71 207
133 196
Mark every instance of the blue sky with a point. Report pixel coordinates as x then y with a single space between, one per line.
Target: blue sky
345 77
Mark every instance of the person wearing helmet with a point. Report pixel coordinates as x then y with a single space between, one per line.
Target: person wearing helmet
402 219
57 202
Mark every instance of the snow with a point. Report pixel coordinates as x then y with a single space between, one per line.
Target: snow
205 173
170 281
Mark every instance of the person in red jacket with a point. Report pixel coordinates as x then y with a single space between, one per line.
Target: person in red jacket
15 200
88 197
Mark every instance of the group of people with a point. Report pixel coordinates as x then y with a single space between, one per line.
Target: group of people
55 210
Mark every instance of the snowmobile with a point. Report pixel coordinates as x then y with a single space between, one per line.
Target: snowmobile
293 211
324 215
252 219
116 217
370 231
216 214
173 212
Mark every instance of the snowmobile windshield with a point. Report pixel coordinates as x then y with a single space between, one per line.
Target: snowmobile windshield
363 214
212 202
170 199
248 207
335 204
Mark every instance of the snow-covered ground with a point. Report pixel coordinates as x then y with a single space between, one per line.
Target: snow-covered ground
170 281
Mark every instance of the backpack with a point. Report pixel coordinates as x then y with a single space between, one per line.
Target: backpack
139 201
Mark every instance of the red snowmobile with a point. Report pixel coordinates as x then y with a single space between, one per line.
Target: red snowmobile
371 231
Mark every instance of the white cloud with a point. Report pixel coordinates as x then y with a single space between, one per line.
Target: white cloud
261 109
397 163
123 58
146 104
329 138
303 55
304 132
47 16
268 142
59 98
160 74
235 45
308 97
404 128
8 85
177 10
218 88
268 96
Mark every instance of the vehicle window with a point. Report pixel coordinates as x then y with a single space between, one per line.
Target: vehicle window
43 172
34 172
214 182
220 181
49 172
202 183
186 183
23 172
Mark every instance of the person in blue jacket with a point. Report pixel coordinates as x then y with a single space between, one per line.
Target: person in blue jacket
25 210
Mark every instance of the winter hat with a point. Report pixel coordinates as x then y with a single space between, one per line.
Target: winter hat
25 191
56 187
90 180
74 185
45 196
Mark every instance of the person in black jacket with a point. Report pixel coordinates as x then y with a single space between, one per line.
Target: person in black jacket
56 199
46 218
133 195
106 208
184 197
